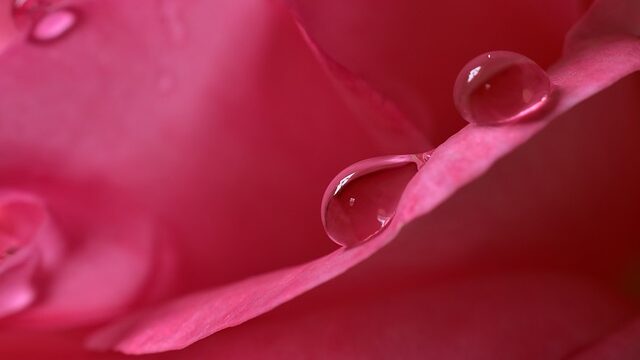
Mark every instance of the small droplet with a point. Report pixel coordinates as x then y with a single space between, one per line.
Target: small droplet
44 20
500 87
53 25
362 199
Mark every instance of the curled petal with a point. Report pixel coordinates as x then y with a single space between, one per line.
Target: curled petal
27 242
175 325
96 281
461 161
164 118
410 51
605 19
16 289
109 252
495 317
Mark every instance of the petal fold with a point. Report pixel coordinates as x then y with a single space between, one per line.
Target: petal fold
458 162
411 51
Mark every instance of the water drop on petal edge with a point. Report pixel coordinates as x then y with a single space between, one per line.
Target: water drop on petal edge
500 87
362 199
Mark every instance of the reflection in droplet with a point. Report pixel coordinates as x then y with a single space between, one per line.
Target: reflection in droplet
500 87
362 199
53 25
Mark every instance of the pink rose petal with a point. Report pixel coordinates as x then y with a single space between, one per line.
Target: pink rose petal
152 100
8 31
557 238
16 289
455 282
458 161
184 321
95 282
498 317
99 265
605 19
411 51
623 344
25 245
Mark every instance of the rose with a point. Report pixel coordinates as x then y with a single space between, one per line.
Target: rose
167 151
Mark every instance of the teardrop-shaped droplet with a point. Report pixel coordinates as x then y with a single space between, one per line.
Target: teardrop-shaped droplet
500 87
362 199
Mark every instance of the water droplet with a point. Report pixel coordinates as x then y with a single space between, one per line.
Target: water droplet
362 199
500 87
43 20
54 25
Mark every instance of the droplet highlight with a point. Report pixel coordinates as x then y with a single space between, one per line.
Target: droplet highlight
500 87
362 199
54 25
44 20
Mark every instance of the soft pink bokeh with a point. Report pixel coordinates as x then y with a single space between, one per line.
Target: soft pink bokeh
175 155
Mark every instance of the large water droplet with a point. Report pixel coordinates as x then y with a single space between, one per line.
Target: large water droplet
500 87
362 199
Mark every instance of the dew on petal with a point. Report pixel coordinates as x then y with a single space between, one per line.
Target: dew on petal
500 87
54 25
362 199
